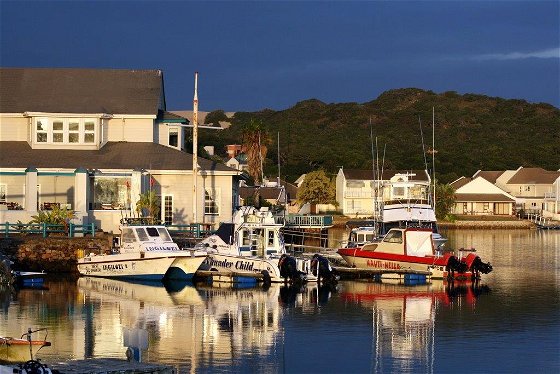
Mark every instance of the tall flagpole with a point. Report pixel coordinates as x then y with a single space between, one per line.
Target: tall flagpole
195 146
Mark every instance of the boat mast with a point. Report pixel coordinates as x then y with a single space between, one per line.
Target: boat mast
195 146
434 153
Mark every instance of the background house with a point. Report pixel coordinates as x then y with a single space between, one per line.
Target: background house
93 140
355 189
478 196
528 190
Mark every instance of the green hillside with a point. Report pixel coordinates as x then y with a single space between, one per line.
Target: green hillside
472 132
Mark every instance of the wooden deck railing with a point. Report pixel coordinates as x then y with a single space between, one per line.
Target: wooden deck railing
45 229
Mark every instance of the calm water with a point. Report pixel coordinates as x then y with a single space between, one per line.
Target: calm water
510 322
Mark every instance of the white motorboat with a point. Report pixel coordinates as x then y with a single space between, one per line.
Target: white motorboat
252 246
144 252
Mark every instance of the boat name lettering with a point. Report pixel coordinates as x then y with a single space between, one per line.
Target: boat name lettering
222 263
382 265
244 265
159 248
114 267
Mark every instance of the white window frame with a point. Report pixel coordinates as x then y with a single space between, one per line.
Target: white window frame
45 123
67 133
89 132
72 131
60 132
212 196
164 209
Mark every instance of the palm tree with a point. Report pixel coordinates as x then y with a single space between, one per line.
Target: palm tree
149 204
255 142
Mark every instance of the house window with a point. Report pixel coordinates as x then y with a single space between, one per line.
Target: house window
89 131
42 131
486 207
65 130
212 202
3 193
110 193
58 131
527 188
73 132
173 137
168 209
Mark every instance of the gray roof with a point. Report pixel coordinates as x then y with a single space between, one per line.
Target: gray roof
68 90
114 155
387 174
489 175
534 176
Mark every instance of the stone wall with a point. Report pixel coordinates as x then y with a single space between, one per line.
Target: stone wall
52 254
521 224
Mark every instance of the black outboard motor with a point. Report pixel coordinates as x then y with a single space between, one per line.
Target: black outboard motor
321 268
479 266
289 271
454 265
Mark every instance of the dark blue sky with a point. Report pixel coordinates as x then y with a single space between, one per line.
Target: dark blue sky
256 55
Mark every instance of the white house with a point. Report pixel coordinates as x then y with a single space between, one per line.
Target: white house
355 189
93 140
478 196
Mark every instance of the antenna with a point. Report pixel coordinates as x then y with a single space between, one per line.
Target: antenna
278 147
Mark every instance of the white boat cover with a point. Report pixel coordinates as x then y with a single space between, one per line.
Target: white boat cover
396 213
419 243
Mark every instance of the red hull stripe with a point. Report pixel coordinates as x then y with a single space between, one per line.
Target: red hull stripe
428 260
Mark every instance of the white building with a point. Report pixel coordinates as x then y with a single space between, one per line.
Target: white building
93 140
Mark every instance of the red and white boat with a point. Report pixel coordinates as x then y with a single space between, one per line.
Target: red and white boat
412 250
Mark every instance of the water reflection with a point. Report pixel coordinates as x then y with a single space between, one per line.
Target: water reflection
182 323
404 319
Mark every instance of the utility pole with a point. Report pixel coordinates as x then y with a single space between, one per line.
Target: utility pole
195 147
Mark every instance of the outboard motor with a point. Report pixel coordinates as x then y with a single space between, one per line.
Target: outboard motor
289 271
321 268
454 265
477 266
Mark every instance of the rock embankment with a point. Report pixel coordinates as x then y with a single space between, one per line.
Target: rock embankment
487 225
52 254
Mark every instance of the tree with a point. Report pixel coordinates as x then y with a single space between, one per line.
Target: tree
445 199
255 143
148 205
317 188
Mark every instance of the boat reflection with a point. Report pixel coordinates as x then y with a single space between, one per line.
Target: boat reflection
404 316
188 325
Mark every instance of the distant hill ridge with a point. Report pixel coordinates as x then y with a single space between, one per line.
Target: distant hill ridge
472 132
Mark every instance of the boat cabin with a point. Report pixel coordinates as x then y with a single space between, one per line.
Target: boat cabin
409 242
146 238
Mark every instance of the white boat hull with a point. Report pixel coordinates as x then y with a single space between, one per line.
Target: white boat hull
139 265
239 266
